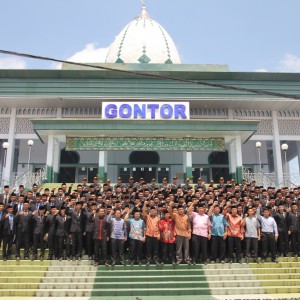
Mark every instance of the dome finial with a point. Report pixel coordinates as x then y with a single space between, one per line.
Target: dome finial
143 4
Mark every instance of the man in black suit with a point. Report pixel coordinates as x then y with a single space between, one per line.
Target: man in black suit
51 227
8 232
39 231
2 218
101 236
23 222
19 206
4 198
294 228
89 229
281 218
63 224
78 221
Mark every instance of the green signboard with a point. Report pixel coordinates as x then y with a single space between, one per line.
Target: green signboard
145 144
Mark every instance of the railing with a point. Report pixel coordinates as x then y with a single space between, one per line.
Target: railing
27 179
261 179
290 180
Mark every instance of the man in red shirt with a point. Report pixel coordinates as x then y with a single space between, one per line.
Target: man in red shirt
167 238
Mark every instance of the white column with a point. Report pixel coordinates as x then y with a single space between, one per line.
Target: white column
102 165
7 172
235 157
49 160
187 164
56 158
277 149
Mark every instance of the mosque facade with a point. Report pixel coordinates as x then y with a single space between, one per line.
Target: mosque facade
144 114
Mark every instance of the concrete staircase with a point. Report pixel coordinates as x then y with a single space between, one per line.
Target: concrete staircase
213 281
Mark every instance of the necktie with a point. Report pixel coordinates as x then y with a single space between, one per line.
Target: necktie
11 222
20 206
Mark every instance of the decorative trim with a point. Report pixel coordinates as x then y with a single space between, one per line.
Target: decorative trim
145 144
255 114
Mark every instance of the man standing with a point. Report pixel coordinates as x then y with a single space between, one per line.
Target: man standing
201 231
294 228
137 236
183 233
218 233
152 233
118 236
281 217
252 234
235 232
39 231
8 232
23 230
78 221
167 238
101 236
269 234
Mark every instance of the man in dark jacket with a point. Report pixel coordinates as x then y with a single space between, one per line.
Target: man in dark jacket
8 232
101 236
281 217
23 222
63 224
78 222
39 231
51 232
294 228
89 229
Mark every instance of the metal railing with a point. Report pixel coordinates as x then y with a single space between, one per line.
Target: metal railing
261 179
27 179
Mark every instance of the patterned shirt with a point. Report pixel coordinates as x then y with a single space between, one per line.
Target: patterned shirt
167 231
235 225
152 228
137 228
182 225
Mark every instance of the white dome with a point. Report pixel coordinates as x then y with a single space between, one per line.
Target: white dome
143 40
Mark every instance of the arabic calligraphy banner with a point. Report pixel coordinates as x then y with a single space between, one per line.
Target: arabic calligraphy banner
145 144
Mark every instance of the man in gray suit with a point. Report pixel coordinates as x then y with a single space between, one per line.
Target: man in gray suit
63 224
23 222
39 231
78 221
4 198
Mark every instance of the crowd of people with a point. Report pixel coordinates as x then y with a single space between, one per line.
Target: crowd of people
151 223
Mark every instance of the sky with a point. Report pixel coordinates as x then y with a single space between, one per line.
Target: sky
247 35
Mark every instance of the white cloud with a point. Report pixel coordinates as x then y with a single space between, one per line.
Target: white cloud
290 63
12 63
261 70
90 54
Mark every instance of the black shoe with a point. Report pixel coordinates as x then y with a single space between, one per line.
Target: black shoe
33 257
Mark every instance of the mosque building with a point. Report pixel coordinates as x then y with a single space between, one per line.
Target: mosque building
144 114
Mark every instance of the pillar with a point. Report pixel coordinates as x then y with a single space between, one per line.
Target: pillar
277 149
49 161
56 160
102 165
235 159
187 165
7 171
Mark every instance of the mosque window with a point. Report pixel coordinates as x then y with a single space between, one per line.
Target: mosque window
144 157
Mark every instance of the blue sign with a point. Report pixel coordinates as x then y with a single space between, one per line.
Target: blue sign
146 110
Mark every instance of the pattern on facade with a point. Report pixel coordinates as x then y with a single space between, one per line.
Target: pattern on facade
5 111
81 112
289 127
4 125
288 114
209 113
265 128
145 144
252 113
23 125
37 111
